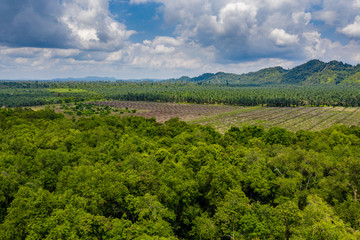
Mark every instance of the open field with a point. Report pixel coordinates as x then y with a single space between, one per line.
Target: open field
222 117
67 90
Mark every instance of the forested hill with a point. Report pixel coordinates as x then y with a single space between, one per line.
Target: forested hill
312 72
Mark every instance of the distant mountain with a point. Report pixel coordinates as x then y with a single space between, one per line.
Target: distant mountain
264 76
300 73
317 72
90 78
312 72
96 79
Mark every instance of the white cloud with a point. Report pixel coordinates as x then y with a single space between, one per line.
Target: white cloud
239 30
301 17
282 38
164 53
327 50
276 4
209 36
29 52
92 26
314 47
337 13
84 24
21 60
356 3
329 17
352 30
237 17
168 41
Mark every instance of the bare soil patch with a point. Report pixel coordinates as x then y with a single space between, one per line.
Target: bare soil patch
165 111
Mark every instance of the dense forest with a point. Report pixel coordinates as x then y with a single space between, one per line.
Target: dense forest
133 178
32 93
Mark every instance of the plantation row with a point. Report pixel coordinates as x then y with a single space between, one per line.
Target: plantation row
280 96
293 119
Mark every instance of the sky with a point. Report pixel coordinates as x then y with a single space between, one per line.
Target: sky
134 39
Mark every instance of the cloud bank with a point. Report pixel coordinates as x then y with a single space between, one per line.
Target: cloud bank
57 38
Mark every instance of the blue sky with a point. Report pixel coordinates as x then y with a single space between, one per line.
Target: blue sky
42 39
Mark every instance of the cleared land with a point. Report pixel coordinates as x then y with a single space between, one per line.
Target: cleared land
222 117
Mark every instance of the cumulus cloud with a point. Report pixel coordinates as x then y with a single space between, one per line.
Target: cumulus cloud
240 30
238 17
163 53
315 46
352 30
301 17
282 38
229 29
83 37
337 13
91 25
327 50
330 17
60 24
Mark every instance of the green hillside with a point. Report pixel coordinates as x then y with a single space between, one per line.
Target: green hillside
312 72
333 72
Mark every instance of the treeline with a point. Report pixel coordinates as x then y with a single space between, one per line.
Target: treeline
133 178
29 94
275 96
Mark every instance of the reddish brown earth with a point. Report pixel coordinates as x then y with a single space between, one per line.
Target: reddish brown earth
165 111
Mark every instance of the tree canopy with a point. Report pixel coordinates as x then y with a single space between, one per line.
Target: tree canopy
133 178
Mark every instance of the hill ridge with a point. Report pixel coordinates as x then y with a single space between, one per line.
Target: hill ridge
312 72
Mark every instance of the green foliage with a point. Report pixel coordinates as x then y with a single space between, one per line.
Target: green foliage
133 178
320 222
301 73
91 109
253 89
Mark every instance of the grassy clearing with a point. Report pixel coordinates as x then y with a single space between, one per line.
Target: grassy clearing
67 90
